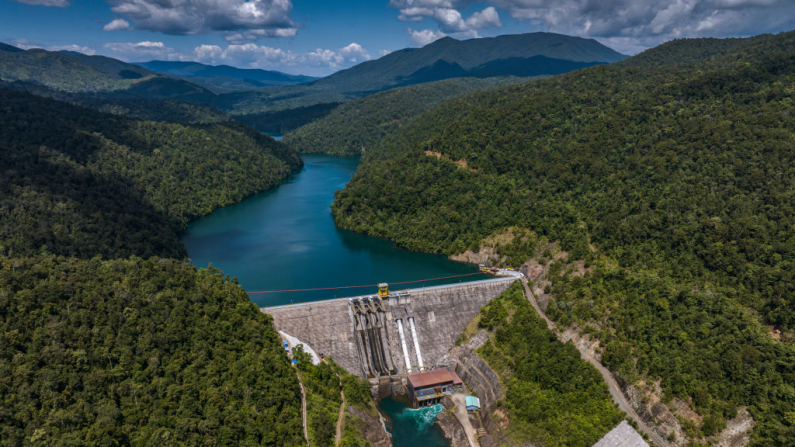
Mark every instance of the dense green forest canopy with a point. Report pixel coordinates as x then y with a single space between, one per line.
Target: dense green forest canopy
138 352
76 182
284 121
361 124
146 109
323 383
130 351
552 396
679 171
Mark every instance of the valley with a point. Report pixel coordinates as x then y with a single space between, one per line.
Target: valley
484 240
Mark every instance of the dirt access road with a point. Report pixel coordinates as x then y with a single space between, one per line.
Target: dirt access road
303 411
615 390
460 411
340 417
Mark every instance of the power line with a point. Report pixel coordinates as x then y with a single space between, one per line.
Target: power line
365 285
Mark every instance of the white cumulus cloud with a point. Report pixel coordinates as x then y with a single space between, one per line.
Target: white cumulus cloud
321 61
116 25
426 36
245 19
143 51
447 14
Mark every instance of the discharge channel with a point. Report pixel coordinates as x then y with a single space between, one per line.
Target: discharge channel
413 427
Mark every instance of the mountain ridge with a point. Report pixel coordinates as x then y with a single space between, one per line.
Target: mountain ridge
470 54
224 76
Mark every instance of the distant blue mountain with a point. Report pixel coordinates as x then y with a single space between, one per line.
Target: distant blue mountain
224 76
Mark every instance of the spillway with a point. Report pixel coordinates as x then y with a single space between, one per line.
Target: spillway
362 334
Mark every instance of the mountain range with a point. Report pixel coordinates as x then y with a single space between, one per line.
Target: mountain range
396 68
288 101
224 77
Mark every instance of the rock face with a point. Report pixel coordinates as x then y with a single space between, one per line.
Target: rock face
439 314
738 430
451 426
473 370
373 429
480 378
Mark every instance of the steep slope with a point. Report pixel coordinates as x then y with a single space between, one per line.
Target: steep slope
130 351
670 183
359 125
138 352
170 110
60 71
78 73
74 181
552 397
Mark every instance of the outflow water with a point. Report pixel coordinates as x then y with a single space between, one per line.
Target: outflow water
413 427
285 238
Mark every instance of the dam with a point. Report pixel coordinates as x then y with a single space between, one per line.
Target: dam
378 337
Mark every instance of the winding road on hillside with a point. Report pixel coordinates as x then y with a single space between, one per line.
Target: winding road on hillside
615 389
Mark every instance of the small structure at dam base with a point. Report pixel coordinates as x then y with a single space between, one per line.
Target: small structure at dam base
428 388
473 404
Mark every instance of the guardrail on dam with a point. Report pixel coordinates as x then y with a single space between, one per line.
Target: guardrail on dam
373 337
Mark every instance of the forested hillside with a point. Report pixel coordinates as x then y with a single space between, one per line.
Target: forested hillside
79 183
138 352
552 397
361 124
676 171
224 77
99 346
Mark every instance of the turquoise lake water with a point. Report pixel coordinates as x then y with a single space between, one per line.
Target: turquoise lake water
413 428
285 238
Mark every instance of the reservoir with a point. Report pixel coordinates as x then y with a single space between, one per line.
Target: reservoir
285 239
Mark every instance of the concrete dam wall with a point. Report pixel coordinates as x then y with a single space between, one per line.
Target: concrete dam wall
373 337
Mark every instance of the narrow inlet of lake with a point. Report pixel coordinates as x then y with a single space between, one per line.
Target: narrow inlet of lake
285 239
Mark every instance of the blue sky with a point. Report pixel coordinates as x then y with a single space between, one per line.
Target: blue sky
319 37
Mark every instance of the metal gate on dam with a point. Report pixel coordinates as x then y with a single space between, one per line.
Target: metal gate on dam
375 337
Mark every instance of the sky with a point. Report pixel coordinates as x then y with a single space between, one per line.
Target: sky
319 37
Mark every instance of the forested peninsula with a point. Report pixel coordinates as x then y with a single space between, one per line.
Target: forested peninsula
667 179
107 335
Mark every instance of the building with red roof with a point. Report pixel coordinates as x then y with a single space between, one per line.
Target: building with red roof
428 388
